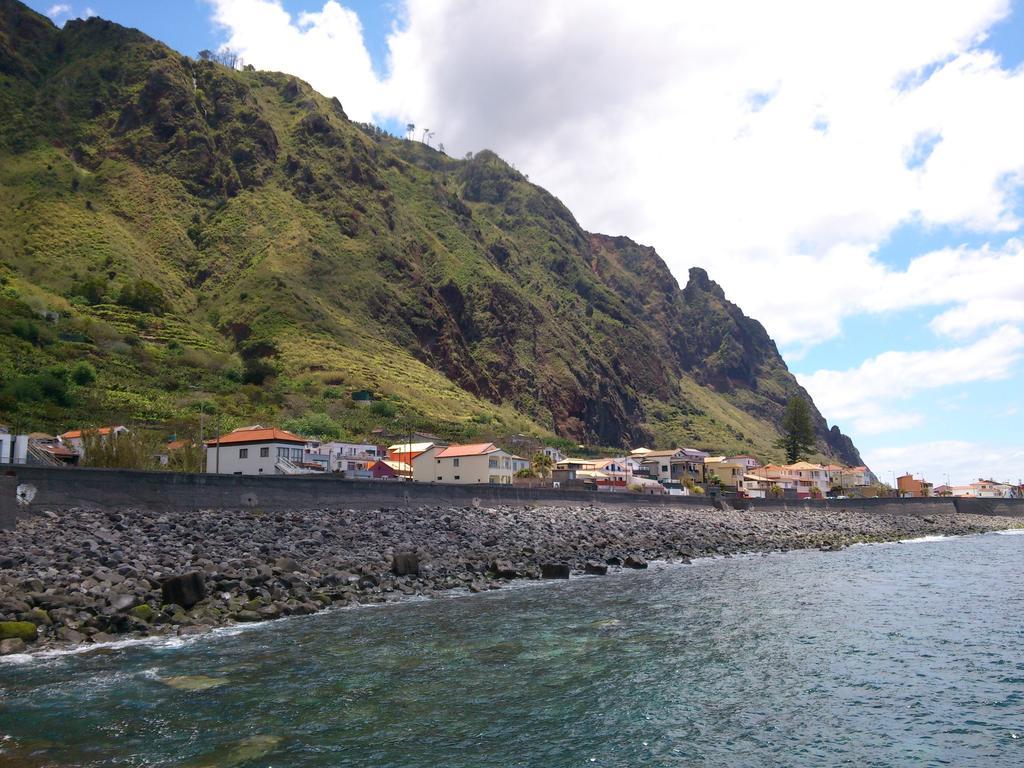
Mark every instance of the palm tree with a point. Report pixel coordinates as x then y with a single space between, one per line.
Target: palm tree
542 464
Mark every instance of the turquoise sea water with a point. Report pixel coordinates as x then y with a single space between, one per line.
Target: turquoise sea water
887 655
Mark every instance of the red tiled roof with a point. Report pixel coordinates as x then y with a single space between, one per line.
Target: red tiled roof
257 435
76 433
473 449
177 445
57 450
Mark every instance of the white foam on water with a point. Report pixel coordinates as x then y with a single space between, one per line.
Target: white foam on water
47 654
927 539
1010 532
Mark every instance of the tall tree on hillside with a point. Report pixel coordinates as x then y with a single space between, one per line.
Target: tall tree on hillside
797 430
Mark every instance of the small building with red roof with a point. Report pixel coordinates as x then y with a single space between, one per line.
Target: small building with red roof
255 450
75 438
474 464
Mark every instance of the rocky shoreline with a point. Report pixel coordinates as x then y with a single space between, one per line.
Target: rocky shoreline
91 576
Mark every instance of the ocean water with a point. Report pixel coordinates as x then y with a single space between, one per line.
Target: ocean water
883 655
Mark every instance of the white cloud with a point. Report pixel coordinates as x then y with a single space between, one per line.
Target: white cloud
963 461
778 146
325 48
873 396
59 9
768 144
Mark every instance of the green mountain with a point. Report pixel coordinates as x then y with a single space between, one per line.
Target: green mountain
228 241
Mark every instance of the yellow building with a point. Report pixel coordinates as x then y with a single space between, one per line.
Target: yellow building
464 464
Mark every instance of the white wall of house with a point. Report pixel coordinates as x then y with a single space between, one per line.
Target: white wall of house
553 453
344 456
251 458
423 470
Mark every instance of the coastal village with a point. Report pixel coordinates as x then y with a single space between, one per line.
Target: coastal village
424 458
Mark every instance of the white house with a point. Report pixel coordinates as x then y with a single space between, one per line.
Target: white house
749 462
465 464
553 453
344 457
759 486
519 464
255 450
619 469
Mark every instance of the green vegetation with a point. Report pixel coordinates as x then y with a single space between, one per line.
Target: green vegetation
797 430
133 450
196 234
540 466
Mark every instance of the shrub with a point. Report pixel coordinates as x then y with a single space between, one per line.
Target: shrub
143 296
383 409
257 371
83 373
125 451
50 385
314 425
24 389
30 331
92 289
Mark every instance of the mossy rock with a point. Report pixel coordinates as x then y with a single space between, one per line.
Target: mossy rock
39 617
22 630
143 612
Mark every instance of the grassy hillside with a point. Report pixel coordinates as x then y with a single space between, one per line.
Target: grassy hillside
204 238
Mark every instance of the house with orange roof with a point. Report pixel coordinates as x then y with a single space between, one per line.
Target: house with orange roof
808 479
255 450
464 464
408 452
75 438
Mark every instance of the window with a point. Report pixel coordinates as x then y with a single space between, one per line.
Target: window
351 465
296 454
282 453
456 477
492 463
438 477
243 453
264 452
455 462
664 468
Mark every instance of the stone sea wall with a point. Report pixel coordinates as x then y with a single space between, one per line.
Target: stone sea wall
169 492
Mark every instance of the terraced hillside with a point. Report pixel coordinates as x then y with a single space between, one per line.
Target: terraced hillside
228 240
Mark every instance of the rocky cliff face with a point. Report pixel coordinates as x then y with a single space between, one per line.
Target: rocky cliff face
315 254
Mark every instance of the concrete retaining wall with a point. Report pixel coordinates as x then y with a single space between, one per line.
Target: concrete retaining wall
56 488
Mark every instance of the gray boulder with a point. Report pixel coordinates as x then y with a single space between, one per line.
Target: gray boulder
503 569
122 603
185 590
405 564
12 645
554 571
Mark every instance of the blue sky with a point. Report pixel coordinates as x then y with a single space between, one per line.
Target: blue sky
867 209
